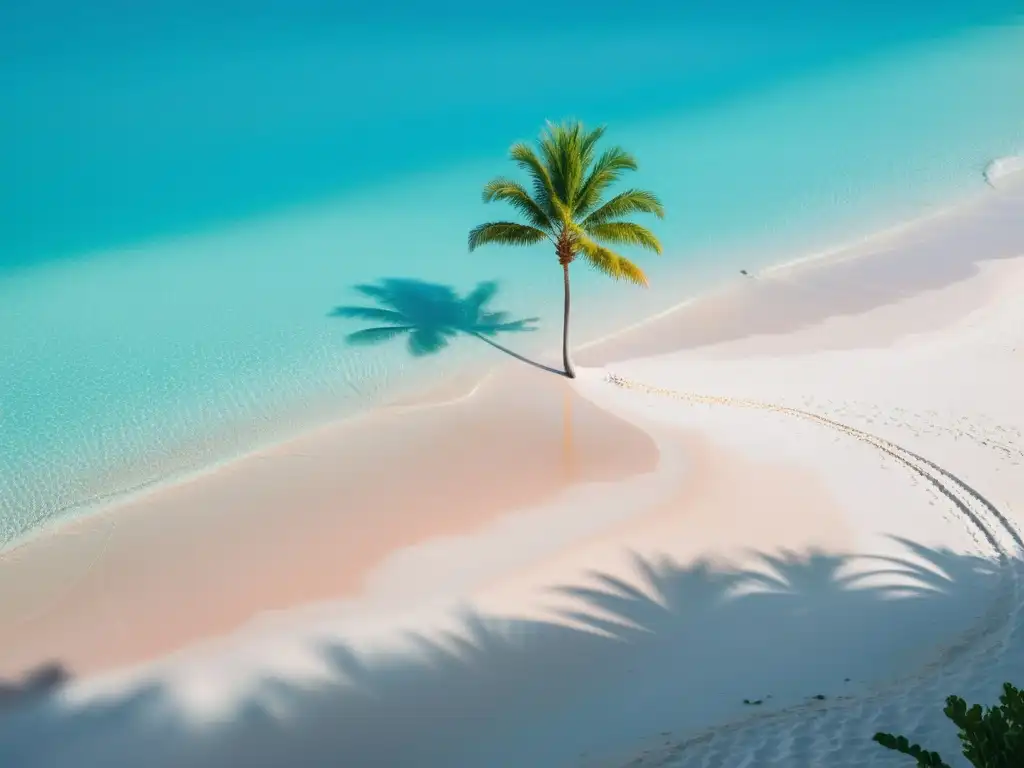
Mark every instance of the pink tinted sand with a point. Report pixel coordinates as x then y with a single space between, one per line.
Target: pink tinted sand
725 509
302 522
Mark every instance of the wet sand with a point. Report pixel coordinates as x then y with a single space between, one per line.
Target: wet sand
303 522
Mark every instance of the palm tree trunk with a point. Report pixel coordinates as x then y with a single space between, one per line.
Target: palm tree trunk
569 370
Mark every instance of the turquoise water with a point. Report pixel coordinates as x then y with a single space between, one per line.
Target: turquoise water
187 195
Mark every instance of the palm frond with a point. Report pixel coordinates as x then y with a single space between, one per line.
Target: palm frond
625 233
429 340
568 150
370 313
505 233
543 187
589 144
605 172
376 335
495 323
626 203
480 297
378 292
583 154
554 160
516 195
610 263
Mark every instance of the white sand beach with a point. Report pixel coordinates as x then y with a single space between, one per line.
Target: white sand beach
753 532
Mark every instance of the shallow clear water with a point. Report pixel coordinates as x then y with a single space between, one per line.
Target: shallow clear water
187 195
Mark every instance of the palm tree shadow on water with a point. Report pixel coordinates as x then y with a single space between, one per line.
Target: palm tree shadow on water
429 316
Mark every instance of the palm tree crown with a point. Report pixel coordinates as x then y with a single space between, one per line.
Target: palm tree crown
566 206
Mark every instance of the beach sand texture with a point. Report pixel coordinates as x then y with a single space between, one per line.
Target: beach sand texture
753 532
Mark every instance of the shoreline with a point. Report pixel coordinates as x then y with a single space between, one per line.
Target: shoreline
560 562
820 258
109 503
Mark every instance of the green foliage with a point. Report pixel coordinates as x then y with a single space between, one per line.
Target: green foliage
564 201
900 744
991 737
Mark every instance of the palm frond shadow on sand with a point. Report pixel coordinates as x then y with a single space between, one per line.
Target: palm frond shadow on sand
663 648
429 316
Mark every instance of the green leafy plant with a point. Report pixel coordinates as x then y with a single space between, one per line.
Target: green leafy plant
565 206
991 737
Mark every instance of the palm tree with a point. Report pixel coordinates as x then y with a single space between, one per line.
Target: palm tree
567 209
